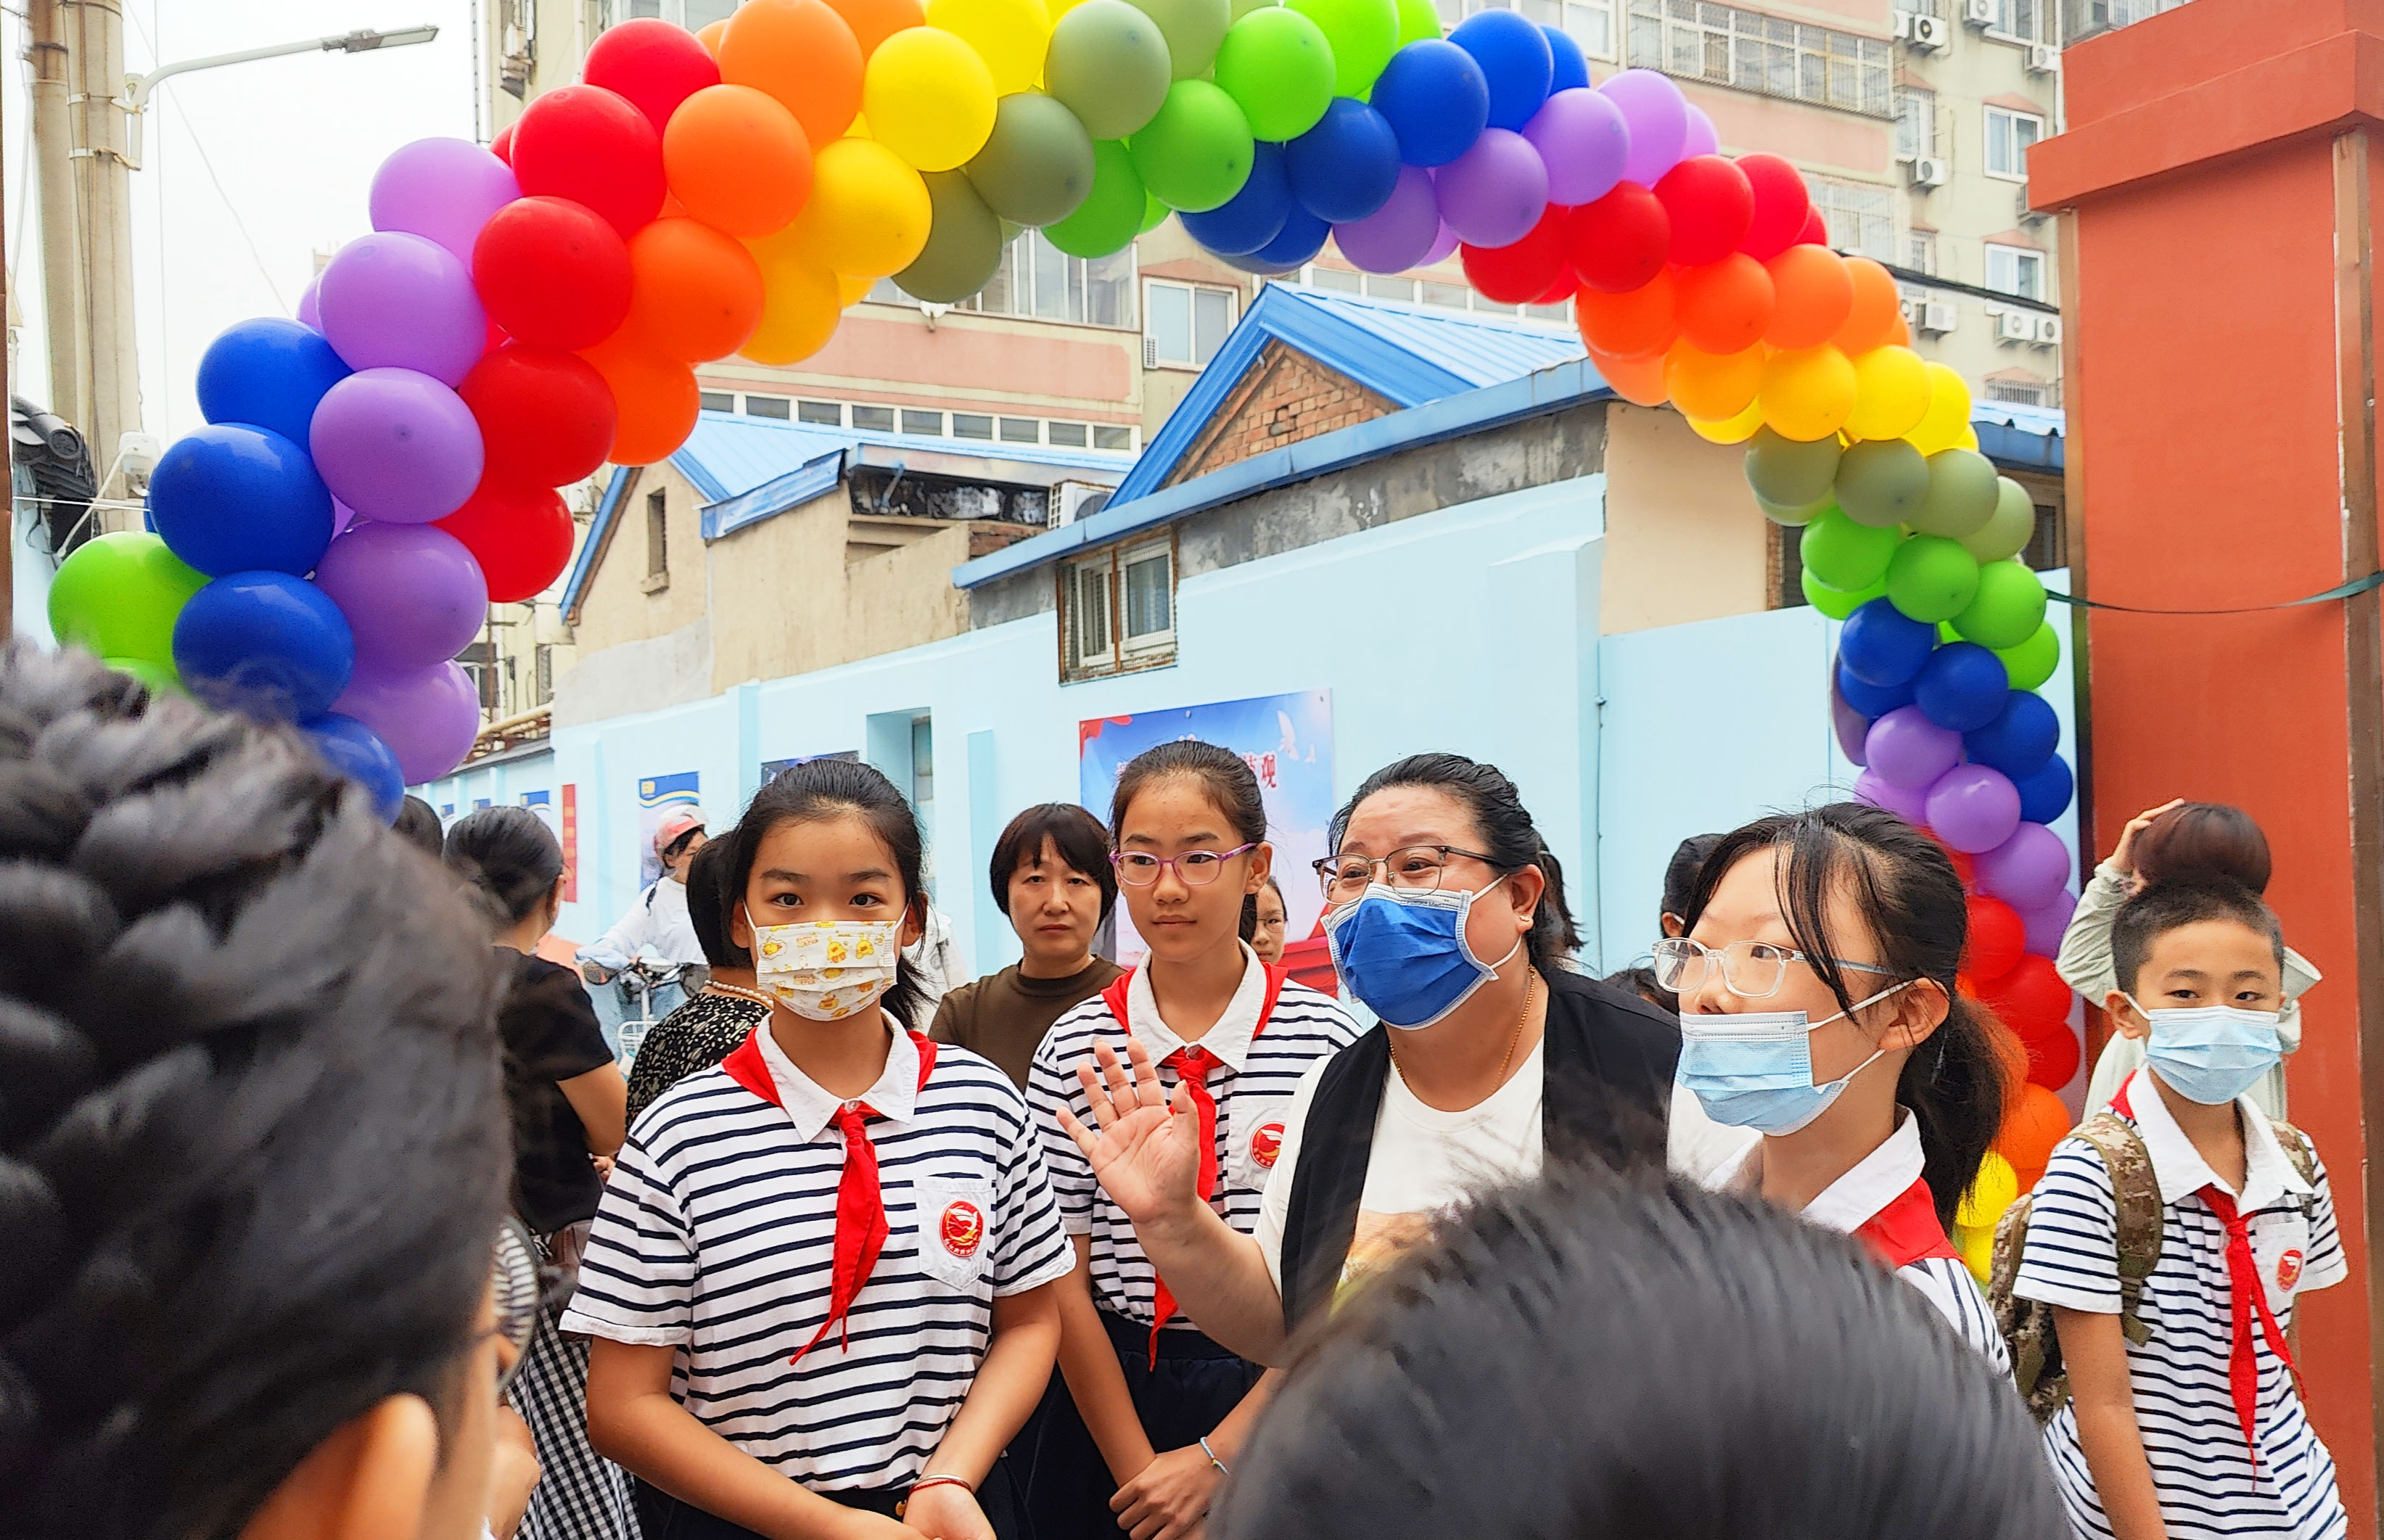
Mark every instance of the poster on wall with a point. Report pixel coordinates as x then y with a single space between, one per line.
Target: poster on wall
1287 742
657 795
569 835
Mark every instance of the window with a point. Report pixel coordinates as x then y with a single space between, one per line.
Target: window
2024 20
1037 279
1449 296
873 419
1916 122
2009 134
768 406
2082 18
969 425
2015 270
543 675
923 765
1021 430
716 401
1339 279
657 539
1590 22
1111 436
1920 253
2022 392
1186 323
822 414
929 423
1860 216
1698 40
1381 288
1067 435
1117 609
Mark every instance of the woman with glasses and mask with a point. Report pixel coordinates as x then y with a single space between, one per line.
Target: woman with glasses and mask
1817 1009
1446 918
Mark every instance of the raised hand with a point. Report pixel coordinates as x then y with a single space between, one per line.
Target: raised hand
1147 1152
2124 858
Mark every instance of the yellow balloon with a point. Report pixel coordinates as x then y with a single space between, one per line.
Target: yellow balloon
800 308
1969 439
1978 1251
1712 387
868 213
852 291
1807 394
1731 430
1949 412
1891 393
1992 1191
1009 35
929 98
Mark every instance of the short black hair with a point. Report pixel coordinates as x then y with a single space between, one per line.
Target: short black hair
417 821
1680 872
2165 906
707 908
1640 981
1724 1367
1076 835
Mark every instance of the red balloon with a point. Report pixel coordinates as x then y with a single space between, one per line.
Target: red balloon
552 273
1782 207
1966 868
587 145
1619 242
651 64
521 536
502 145
1563 288
1520 273
1817 229
1712 204
546 417
2030 998
1998 937
2054 1055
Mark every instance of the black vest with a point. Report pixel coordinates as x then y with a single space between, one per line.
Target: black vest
1608 1060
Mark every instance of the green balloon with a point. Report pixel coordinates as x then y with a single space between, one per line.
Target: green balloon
1244 7
161 677
1038 165
1193 30
964 247
1797 517
1845 554
120 594
1112 215
1961 494
1787 473
2030 664
1154 212
1364 34
1418 20
1106 63
1277 66
2007 531
1837 603
1883 483
1196 154
2008 609
1931 579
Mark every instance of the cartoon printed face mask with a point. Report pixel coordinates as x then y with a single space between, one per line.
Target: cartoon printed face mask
825 970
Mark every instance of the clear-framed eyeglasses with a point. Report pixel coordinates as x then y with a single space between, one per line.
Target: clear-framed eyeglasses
516 1287
1193 868
1751 970
1345 878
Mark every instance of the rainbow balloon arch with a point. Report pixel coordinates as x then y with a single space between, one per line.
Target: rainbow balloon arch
376 472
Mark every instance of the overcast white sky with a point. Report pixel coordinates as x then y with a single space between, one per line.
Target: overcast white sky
292 141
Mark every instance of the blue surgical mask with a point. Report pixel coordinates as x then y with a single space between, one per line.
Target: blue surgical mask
1755 1069
1402 953
2210 1053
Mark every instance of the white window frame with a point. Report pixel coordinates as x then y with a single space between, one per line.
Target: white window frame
2021 256
1923 100
2004 32
1192 293
2003 123
1100 577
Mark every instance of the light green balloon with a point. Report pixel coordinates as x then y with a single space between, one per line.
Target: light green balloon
120 594
1108 64
1154 212
1193 30
1788 473
2008 609
2031 663
1278 69
1364 34
964 247
2006 533
1796 518
1931 579
1883 483
1110 215
1845 554
1418 20
1838 603
1962 493
1037 166
1196 154
161 677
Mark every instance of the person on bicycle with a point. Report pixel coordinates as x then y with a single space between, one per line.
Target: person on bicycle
655 928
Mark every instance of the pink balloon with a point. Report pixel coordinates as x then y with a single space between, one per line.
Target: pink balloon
2048 925
1495 193
1904 801
1906 748
440 189
1396 236
1581 137
1973 807
2026 870
428 716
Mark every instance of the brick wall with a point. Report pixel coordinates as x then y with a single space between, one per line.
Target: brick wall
1287 396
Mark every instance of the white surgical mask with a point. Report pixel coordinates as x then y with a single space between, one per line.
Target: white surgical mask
825 970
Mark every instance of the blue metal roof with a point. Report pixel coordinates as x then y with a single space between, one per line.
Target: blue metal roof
2018 437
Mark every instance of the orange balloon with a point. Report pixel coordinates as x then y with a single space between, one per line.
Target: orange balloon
1902 336
802 302
873 22
1640 381
738 159
2035 1124
709 36
802 52
695 294
1877 310
1635 325
1712 387
1814 295
1724 307
656 396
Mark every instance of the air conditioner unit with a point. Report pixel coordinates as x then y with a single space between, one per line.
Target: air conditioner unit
2043 58
2048 332
1074 500
1930 34
1937 317
2015 325
1979 13
1900 26
1930 171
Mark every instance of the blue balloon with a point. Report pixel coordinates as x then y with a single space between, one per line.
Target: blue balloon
1346 167
267 373
1515 60
1435 99
357 752
1303 236
1882 645
1571 65
2045 795
1961 686
1872 699
264 644
2020 738
230 498
1251 217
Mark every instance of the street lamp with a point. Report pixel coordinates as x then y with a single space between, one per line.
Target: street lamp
137 88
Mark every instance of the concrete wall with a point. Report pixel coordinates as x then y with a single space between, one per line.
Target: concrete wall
620 602
1685 541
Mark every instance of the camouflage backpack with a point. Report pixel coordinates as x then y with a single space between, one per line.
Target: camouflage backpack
2027 1324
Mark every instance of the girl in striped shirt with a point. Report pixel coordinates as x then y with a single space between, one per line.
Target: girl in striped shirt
821 1281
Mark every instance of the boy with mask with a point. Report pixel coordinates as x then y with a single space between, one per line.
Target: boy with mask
2184 1418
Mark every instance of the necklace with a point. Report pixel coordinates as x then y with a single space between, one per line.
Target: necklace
1531 983
739 990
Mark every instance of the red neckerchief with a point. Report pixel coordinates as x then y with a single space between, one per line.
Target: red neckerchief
861 1228
1906 1230
1191 1064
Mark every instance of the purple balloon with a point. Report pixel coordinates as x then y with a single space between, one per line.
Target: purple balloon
1907 750
444 188
310 304
413 595
1396 236
1443 243
428 716
1495 193
1702 140
403 301
2026 870
342 517
396 446
1584 143
1902 801
1658 116
1851 726
2048 923
1972 807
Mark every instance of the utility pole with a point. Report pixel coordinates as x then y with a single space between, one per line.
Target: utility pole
103 183
62 285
